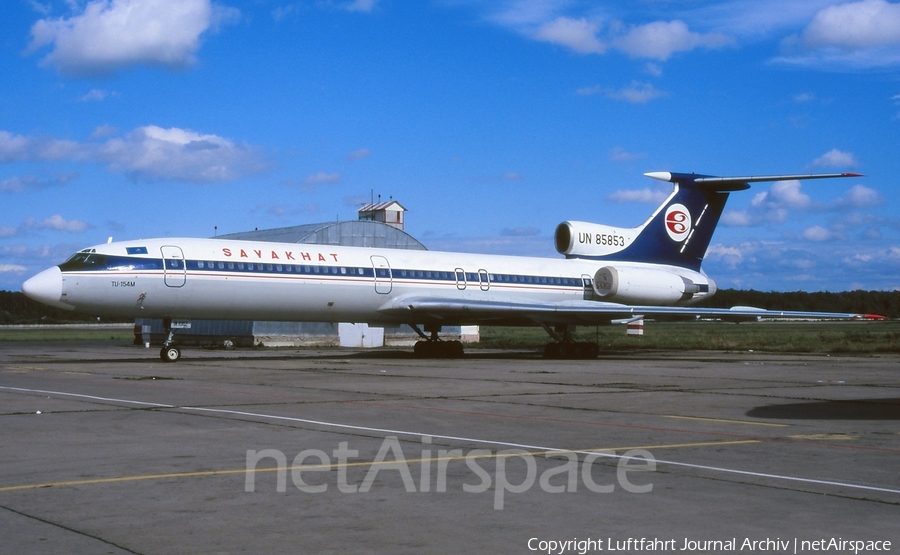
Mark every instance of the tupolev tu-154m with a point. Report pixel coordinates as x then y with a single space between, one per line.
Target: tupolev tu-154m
608 274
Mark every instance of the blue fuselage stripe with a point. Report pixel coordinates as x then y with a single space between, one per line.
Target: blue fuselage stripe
120 264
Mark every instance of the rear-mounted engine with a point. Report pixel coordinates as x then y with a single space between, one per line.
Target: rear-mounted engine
586 239
647 286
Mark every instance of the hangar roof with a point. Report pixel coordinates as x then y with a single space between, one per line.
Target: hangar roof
354 233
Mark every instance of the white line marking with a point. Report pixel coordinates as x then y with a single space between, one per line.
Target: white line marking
466 439
557 449
93 397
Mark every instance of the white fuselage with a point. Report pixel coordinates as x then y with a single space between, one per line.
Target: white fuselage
229 279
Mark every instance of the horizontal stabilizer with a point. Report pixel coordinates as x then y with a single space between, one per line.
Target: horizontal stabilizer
738 183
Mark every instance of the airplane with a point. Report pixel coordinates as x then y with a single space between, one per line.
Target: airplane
607 274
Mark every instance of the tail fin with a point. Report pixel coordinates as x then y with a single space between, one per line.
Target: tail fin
679 231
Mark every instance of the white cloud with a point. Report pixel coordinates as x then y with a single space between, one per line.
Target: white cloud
59 223
524 13
31 182
858 196
737 218
785 194
635 93
104 131
109 35
755 18
96 95
817 233
578 34
359 154
653 69
855 25
781 265
12 268
528 231
151 152
862 34
645 195
786 197
835 158
731 256
586 31
322 177
660 39
14 148
55 222
619 154
771 206
146 153
359 6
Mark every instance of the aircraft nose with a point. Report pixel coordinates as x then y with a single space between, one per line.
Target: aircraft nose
46 288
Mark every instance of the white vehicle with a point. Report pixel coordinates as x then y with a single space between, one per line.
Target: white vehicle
608 274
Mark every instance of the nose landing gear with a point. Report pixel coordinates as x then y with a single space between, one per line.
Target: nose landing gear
169 352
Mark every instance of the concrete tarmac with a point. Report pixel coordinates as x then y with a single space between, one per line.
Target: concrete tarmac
106 449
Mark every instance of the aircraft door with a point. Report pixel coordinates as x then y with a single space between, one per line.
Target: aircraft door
460 279
174 267
383 281
484 281
588 284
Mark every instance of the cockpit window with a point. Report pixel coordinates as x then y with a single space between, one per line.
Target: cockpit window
84 261
89 260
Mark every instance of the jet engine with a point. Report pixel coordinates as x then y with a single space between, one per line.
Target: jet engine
632 285
575 239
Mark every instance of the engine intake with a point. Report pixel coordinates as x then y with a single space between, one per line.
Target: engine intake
587 239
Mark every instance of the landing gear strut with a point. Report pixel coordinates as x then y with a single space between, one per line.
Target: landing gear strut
434 347
169 352
565 348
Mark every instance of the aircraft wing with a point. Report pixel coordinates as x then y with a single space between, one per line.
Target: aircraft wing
450 311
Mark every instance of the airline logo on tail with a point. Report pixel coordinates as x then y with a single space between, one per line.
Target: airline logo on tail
678 222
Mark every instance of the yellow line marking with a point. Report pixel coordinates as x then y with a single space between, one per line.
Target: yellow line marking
824 437
334 466
681 445
726 421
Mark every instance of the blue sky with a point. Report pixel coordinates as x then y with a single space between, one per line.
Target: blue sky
491 121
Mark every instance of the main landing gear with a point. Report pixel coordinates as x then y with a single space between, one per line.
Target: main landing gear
434 347
169 352
565 348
